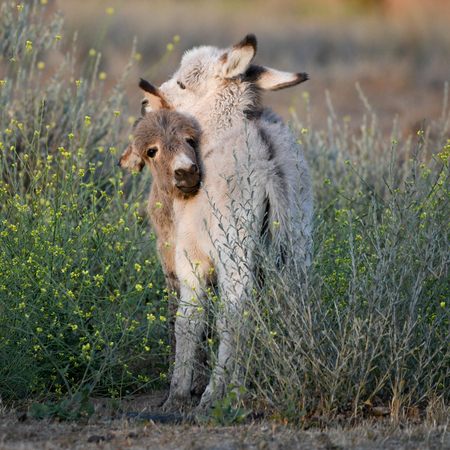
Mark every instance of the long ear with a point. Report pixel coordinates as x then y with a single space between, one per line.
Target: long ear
131 160
235 61
154 98
271 79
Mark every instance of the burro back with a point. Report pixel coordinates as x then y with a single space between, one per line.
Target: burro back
255 181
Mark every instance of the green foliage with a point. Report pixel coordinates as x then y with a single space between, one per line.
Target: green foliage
370 320
76 409
82 297
82 293
224 412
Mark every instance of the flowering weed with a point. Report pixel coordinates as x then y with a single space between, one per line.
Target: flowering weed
78 271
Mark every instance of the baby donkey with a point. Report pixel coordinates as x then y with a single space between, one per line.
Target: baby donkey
166 142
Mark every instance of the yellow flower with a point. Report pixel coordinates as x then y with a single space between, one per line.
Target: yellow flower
162 318
110 11
102 75
92 51
138 287
442 304
40 65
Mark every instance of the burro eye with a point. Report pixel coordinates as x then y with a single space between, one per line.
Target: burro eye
182 86
151 152
191 142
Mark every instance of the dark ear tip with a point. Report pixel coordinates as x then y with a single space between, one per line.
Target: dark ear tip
119 163
250 40
145 85
301 77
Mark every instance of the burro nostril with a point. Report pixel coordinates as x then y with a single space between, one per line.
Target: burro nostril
180 174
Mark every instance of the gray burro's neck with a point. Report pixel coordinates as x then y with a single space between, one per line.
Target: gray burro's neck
218 125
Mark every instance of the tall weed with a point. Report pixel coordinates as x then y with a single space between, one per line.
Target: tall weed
370 320
80 291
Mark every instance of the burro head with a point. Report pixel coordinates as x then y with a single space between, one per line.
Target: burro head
212 81
166 141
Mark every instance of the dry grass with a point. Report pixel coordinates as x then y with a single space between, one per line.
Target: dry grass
102 432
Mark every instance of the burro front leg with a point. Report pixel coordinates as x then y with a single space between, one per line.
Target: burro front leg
189 325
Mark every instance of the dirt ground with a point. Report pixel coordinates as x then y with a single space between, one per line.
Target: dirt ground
108 430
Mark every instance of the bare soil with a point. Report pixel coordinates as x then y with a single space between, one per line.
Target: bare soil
108 429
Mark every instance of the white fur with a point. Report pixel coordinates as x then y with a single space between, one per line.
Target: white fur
247 165
182 161
273 78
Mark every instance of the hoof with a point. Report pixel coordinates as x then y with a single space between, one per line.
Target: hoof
164 400
206 401
173 404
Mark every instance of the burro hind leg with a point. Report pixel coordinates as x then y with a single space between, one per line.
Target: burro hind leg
224 368
231 331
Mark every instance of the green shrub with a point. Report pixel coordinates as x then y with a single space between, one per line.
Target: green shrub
82 294
370 320
81 289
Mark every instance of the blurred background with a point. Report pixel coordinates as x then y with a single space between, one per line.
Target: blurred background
397 50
